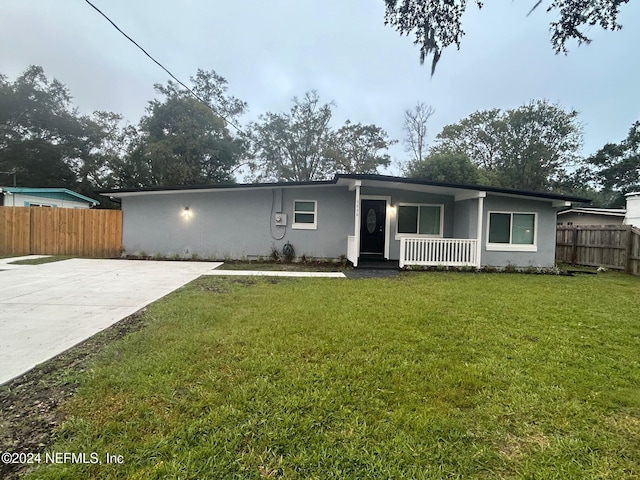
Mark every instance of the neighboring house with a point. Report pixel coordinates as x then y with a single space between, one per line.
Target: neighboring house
44 197
632 216
603 217
591 217
357 216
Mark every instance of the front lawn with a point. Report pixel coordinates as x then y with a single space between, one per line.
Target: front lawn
424 375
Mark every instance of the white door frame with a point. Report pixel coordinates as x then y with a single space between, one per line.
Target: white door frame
387 221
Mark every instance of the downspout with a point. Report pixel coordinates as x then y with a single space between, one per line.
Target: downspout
479 232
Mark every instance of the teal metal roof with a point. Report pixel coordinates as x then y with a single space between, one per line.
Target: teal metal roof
55 193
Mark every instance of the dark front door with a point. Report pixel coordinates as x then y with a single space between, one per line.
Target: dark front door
372 222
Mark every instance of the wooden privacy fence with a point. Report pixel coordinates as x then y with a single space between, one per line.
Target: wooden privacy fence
60 231
616 247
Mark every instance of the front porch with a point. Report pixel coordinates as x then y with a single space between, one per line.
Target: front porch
420 251
445 252
417 225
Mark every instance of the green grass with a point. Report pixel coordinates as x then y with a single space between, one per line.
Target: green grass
42 260
425 375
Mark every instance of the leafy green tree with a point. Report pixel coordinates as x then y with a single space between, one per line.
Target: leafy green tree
446 167
211 89
47 142
132 168
300 145
290 146
477 136
437 25
96 145
182 141
617 165
36 123
527 148
357 148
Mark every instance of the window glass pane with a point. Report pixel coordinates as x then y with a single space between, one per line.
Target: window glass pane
304 218
523 225
305 206
499 227
429 221
407 219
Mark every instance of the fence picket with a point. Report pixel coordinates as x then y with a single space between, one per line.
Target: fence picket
615 247
60 231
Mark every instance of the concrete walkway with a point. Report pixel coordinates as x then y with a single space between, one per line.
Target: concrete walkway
46 309
275 273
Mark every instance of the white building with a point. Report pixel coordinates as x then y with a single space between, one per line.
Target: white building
632 216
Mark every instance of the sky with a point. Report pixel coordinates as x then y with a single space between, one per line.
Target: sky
272 51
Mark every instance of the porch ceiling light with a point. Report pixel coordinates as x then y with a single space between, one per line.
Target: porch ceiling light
186 213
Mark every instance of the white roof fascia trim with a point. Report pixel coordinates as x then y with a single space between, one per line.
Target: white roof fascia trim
469 196
208 190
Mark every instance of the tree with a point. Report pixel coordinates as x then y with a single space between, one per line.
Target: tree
132 168
415 130
527 148
357 148
98 143
36 122
290 146
182 141
477 136
211 89
617 166
437 25
448 167
300 145
47 142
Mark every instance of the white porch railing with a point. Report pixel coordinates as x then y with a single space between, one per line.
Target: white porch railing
352 251
447 252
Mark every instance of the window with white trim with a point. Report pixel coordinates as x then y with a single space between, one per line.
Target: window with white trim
305 214
512 231
417 219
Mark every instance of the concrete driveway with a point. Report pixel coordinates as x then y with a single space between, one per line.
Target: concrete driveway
46 309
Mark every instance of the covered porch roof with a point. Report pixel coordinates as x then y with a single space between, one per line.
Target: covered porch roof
458 191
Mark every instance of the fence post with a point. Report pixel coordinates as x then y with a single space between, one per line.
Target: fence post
574 245
628 249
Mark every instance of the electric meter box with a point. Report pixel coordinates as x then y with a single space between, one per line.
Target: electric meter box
280 219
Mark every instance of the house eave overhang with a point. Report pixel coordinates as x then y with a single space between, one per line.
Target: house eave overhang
351 181
223 187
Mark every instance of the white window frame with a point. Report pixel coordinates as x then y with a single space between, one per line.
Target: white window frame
305 226
513 247
422 235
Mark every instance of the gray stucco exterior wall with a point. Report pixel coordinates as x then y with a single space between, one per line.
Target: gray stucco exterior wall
546 233
466 219
235 223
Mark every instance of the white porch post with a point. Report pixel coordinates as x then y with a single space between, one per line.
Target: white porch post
356 229
479 232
